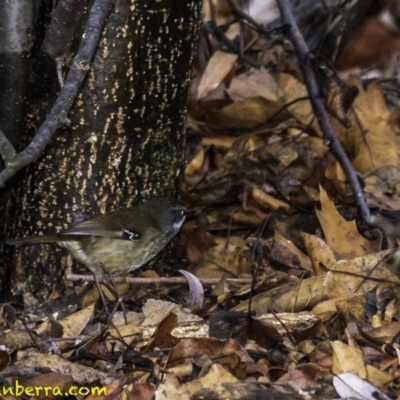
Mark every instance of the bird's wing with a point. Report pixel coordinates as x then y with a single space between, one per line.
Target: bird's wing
116 225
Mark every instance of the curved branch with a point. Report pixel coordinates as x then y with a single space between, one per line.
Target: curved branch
58 113
306 64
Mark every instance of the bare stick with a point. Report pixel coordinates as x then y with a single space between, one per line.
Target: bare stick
58 113
153 281
306 64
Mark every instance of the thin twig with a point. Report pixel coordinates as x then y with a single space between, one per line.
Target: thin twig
153 281
306 64
218 33
58 113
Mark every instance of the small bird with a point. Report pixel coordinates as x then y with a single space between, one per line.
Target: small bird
120 241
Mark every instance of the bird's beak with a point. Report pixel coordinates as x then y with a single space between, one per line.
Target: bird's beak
190 213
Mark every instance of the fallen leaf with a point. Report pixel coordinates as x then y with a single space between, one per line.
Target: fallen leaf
342 236
347 359
218 67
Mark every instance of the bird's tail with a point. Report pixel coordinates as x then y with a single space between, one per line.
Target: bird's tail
37 239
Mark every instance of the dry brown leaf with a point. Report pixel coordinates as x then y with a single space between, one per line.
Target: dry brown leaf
323 360
378 377
50 327
321 255
378 146
196 162
209 269
334 173
257 83
301 376
156 310
354 274
370 138
214 377
291 89
75 323
246 218
93 295
351 306
316 144
326 309
262 333
153 307
382 188
128 333
14 339
385 334
340 97
285 152
290 297
244 114
196 241
280 253
248 142
162 337
79 373
140 391
382 201
184 370
342 236
218 67
269 202
227 352
305 261
347 359
221 260
170 388
4 359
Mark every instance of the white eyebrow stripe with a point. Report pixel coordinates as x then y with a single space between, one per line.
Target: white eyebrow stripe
131 235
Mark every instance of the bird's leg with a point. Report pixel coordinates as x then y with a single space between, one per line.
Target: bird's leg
120 302
119 297
97 279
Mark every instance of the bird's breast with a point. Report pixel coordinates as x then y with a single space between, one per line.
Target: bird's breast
115 255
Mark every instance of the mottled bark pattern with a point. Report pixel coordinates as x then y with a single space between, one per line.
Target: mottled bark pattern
126 137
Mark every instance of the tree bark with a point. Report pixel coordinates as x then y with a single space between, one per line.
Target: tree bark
125 139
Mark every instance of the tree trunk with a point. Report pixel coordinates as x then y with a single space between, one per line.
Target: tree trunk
125 139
